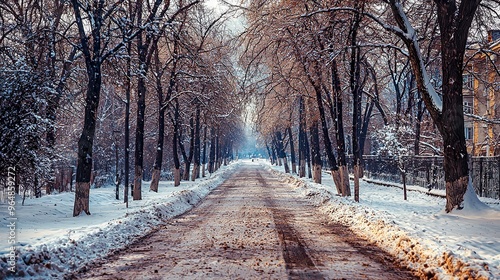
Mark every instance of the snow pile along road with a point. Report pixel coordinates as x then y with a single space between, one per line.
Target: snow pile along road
436 245
52 244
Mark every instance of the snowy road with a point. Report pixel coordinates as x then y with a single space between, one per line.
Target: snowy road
252 227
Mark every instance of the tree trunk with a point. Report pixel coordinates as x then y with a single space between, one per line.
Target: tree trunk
86 141
188 158
85 144
344 179
273 155
204 156
196 171
117 172
356 115
196 153
175 153
308 157
218 153
211 156
364 127
161 116
177 177
338 122
292 151
315 152
451 126
403 175
155 180
159 148
332 163
139 135
144 52
357 172
302 138
82 193
137 183
269 154
418 125
128 86
281 151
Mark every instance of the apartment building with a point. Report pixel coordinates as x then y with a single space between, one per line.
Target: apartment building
482 97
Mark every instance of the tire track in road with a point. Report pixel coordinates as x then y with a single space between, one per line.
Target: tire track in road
298 263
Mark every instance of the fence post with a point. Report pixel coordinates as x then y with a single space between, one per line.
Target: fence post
498 174
480 176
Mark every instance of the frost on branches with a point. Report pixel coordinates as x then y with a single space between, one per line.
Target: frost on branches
395 141
23 98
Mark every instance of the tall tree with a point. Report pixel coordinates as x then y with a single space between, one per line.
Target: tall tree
454 19
355 87
145 48
197 142
94 52
302 138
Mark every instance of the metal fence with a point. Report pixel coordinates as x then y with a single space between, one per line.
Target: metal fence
428 172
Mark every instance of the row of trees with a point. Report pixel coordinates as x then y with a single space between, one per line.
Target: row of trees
105 78
337 70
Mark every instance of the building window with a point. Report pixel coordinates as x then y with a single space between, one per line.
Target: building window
469 133
468 81
468 107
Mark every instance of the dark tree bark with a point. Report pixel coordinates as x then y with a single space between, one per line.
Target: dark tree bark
302 138
308 160
317 163
354 81
128 87
292 150
204 155
365 122
118 177
175 153
275 160
141 106
418 125
270 154
196 152
338 122
211 156
159 150
281 150
161 124
86 141
218 153
188 157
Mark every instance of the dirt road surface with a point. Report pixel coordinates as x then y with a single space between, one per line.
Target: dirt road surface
252 227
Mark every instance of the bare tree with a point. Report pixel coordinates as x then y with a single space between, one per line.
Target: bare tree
454 20
95 51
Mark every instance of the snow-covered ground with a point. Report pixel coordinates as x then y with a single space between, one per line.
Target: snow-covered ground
445 246
51 242
417 231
